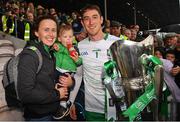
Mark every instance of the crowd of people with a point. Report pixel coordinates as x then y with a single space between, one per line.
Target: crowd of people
48 95
17 19
168 48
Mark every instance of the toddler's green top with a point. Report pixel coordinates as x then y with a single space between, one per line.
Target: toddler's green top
63 59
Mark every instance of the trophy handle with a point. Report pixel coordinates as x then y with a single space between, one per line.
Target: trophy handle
158 78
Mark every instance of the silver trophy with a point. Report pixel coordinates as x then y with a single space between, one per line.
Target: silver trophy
127 56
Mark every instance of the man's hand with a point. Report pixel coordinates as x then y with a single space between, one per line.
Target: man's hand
175 70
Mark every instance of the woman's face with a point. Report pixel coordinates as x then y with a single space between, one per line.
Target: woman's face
47 32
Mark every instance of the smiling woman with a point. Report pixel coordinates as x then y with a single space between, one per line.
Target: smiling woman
37 90
47 32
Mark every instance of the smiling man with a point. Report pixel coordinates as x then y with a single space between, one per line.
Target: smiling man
94 52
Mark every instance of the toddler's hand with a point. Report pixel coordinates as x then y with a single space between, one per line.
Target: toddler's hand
75 57
73 114
55 46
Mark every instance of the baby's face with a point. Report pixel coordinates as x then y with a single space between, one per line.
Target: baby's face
66 36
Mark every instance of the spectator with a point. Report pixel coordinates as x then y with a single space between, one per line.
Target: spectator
8 22
28 27
40 11
63 18
74 15
177 50
159 52
31 8
127 33
52 11
23 4
76 22
30 17
139 34
158 42
170 41
133 35
79 34
46 11
22 11
170 55
175 71
15 10
115 28
123 27
136 27
54 14
107 25
169 79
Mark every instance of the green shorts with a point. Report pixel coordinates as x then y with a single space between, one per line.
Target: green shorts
93 116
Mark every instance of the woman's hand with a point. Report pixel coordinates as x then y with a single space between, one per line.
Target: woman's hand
63 91
66 81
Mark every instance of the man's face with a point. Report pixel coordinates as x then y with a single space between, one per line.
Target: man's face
171 41
74 16
115 31
127 33
40 11
16 11
133 35
170 57
174 40
92 22
30 17
81 36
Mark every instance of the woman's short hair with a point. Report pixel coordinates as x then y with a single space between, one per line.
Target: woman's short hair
41 18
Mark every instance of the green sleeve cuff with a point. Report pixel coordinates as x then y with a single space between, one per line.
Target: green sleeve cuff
79 61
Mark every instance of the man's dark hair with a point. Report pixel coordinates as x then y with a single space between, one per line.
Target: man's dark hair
90 7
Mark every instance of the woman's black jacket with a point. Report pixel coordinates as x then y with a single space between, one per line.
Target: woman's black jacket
37 91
